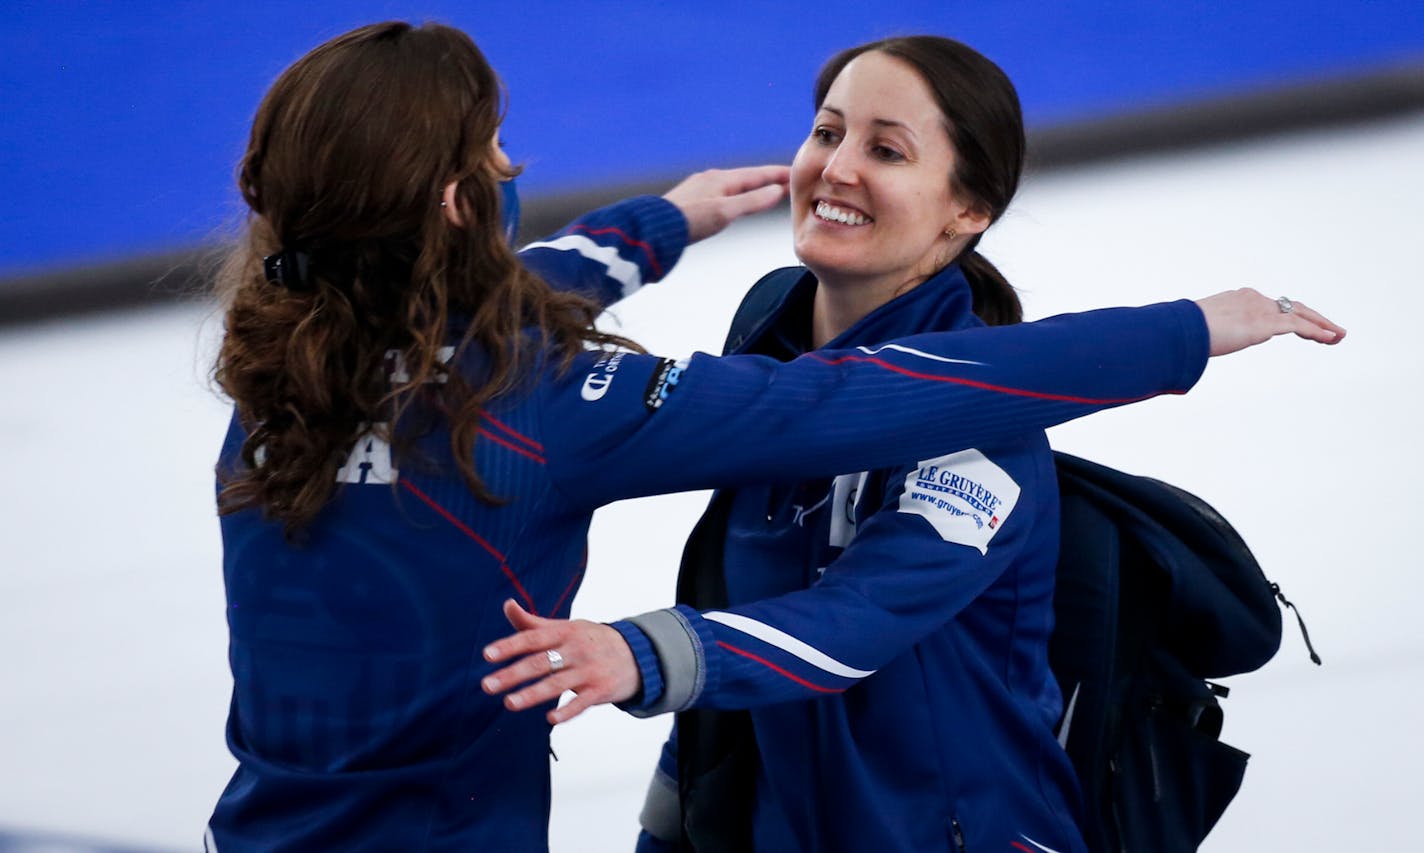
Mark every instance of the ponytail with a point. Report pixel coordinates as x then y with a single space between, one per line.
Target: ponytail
995 300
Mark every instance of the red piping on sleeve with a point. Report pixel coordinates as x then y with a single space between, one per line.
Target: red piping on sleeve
774 668
652 259
1002 389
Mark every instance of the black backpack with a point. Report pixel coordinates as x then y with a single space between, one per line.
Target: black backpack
1155 594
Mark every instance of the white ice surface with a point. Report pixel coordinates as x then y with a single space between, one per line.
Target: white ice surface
113 679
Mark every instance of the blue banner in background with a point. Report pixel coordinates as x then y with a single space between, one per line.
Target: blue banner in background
121 123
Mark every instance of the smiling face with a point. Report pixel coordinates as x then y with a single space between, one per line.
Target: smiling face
871 200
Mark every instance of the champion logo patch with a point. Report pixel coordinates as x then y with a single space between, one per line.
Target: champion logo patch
964 496
595 385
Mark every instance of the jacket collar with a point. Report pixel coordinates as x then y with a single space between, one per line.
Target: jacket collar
942 302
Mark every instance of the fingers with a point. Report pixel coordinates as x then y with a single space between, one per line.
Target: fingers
711 200
570 709
710 216
754 201
520 618
597 665
527 668
594 683
1244 318
523 643
529 651
737 181
547 689
1314 326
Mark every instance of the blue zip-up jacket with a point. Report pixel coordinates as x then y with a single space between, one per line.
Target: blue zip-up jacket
908 609
357 718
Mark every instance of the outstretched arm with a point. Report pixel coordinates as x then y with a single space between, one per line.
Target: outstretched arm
909 569
622 425
604 662
610 253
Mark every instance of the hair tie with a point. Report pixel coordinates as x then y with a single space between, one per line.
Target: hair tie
288 268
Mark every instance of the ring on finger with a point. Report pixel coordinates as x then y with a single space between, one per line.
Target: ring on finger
556 660
1284 303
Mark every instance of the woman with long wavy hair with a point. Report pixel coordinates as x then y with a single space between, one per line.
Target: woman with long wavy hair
425 420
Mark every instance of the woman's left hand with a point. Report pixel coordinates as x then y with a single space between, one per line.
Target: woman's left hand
713 199
589 658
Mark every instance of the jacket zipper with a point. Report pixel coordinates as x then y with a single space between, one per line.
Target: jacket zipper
958 832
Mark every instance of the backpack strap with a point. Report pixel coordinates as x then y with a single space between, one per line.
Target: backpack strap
716 750
759 306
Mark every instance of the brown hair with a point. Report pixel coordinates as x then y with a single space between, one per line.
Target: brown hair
349 154
985 124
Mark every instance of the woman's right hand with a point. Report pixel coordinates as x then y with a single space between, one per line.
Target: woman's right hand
1242 318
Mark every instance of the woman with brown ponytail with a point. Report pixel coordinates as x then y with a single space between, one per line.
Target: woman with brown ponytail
424 422
906 609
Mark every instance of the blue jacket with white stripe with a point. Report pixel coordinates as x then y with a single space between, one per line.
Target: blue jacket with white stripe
357 718
907 609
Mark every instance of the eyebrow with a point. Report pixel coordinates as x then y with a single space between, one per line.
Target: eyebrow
879 122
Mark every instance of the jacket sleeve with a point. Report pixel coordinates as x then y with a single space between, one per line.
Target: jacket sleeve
660 819
621 425
608 254
946 529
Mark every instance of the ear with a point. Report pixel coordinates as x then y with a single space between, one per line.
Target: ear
452 211
970 219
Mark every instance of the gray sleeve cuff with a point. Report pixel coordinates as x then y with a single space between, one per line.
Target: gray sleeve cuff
680 657
662 814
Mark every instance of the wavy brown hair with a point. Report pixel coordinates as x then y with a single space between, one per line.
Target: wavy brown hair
350 152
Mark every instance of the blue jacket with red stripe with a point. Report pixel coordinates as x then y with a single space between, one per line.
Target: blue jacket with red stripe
908 609
357 718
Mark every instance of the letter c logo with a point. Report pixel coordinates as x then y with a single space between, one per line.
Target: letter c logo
595 386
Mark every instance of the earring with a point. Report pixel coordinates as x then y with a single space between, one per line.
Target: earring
442 204
951 234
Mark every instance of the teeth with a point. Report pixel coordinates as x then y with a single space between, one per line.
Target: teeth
831 213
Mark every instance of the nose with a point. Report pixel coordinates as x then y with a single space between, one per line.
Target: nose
842 167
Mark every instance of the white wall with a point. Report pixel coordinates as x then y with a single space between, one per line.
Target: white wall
113 681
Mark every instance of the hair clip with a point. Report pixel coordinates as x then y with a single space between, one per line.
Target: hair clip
287 268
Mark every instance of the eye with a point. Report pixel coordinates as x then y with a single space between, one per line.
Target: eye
886 154
825 135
